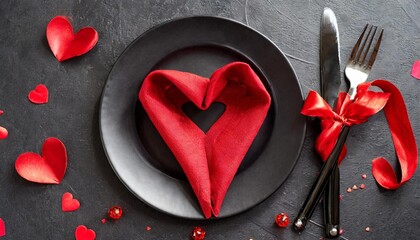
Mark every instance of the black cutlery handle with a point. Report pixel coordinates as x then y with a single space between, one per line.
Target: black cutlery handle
331 204
320 183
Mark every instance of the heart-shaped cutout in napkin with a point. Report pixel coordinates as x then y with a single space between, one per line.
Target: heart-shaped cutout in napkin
210 160
48 168
39 95
64 43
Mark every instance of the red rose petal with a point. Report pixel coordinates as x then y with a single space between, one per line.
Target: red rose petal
68 203
48 168
82 233
2 228
39 95
3 133
64 43
415 71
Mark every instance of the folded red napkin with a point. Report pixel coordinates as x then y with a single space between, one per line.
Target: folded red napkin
210 160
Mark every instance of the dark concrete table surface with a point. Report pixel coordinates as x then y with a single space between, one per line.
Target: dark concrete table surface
33 211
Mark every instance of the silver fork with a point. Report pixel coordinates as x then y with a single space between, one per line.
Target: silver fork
357 71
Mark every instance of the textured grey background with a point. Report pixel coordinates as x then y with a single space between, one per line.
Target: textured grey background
33 211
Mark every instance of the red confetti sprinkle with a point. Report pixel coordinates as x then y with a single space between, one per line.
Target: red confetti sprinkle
48 168
64 43
340 197
355 187
82 233
364 176
148 228
362 186
367 229
1 112
68 203
198 233
341 231
282 220
103 221
349 190
39 95
415 71
115 212
2 228
3 133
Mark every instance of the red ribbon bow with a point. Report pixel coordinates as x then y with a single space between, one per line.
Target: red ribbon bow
350 113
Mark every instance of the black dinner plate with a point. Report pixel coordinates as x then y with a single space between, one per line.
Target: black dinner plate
200 45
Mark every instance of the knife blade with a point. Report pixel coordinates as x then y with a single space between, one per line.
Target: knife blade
330 84
330 57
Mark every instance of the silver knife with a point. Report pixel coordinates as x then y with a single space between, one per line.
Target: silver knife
330 85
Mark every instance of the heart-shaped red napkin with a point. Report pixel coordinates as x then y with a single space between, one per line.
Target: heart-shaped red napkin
210 160
82 233
68 203
48 168
64 43
39 95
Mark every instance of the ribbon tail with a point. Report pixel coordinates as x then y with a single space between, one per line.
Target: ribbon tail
384 174
402 136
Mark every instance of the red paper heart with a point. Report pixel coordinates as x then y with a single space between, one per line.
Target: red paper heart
64 43
415 71
3 133
39 95
68 203
48 168
82 233
210 160
2 228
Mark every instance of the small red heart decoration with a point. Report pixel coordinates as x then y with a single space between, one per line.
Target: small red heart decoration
64 43
39 95
2 228
415 70
68 203
82 233
48 168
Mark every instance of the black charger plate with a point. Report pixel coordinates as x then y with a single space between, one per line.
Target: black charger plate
200 45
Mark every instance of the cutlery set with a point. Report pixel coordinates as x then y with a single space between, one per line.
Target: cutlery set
357 70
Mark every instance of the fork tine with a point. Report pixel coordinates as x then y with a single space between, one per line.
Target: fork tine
375 50
356 46
368 47
363 45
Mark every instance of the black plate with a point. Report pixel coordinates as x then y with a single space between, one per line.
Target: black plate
199 45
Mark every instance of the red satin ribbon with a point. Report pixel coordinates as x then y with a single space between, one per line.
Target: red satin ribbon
350 113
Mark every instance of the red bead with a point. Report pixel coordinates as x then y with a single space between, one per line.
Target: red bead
198 233
282 220
115 212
